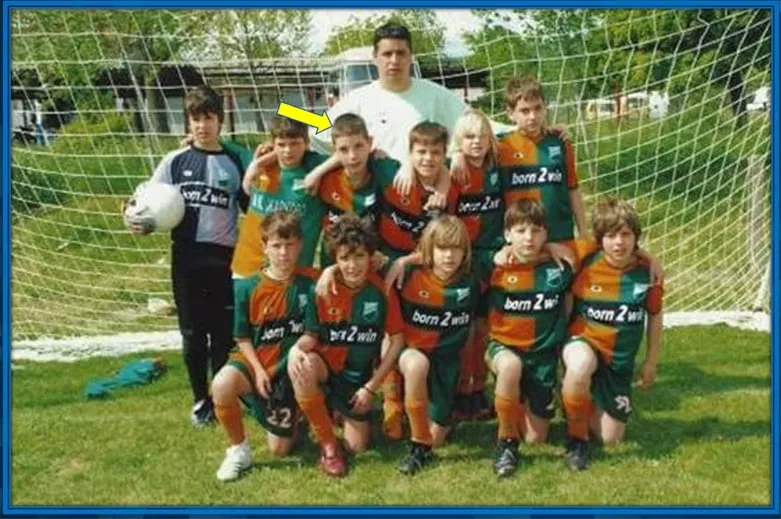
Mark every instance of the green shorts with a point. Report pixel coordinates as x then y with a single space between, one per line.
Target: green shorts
538 377
611 388
277 414
339 391
442 382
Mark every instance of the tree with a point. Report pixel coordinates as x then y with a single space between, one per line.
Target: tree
428 33
70 48
595 51
262 33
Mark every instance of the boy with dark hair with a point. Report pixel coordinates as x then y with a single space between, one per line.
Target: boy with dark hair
528 305
210 178
338 364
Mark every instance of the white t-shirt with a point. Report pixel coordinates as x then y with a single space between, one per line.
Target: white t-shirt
390 115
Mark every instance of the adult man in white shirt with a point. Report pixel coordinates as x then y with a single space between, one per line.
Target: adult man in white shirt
395 102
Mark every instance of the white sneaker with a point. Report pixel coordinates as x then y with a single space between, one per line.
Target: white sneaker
238 458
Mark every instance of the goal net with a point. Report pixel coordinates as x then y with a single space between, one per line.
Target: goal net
667 108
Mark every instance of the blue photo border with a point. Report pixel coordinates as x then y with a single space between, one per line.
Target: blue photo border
386 511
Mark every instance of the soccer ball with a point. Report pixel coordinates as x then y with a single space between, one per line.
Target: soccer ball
155 206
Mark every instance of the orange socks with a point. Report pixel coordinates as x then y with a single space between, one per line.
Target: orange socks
313 406
417 411
230 417
579 409
507 410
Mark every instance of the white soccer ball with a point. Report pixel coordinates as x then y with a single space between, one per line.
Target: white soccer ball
156 206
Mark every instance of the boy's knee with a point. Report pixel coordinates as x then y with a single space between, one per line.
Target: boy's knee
279 448
534 437
612 438
357 445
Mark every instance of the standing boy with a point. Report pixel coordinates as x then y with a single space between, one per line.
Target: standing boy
280 186
210 178
538 164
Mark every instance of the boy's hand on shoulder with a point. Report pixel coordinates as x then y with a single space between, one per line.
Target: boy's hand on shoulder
503 256
560 130
459 171
263 148
186 140
379 154
561 254
436 200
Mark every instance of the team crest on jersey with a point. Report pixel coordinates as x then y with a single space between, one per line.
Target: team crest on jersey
424 294
298 184
554 151
405 201
302 300
336 197
462 293
371 311
187 172
553 277
493 178
333 312
512 279
518 155
639 290
370 200
596 289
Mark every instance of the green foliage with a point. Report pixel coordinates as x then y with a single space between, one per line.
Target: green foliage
428 33
701 436
261 33
592 53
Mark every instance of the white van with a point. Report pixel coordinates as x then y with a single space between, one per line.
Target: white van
761 100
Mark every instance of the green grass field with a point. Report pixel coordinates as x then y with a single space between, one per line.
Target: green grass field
701 436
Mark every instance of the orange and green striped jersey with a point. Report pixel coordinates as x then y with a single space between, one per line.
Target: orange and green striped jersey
279 188
611 304
437 315
339 196
481 207
540 169
526 304
271 313
350 326
402 218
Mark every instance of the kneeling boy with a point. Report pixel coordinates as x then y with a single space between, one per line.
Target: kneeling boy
269 314
332 365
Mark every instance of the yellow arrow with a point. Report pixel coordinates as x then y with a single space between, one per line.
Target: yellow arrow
321 122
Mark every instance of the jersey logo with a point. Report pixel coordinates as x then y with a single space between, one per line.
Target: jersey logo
298 184
424 294
595 288
639 290
187 172
336 196
554 151
553 276
493 178
371 311
512 279
370 200
405 201
462 293
302 301
623 404
518 155
334 312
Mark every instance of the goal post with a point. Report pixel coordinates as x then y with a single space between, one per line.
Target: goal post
659 105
